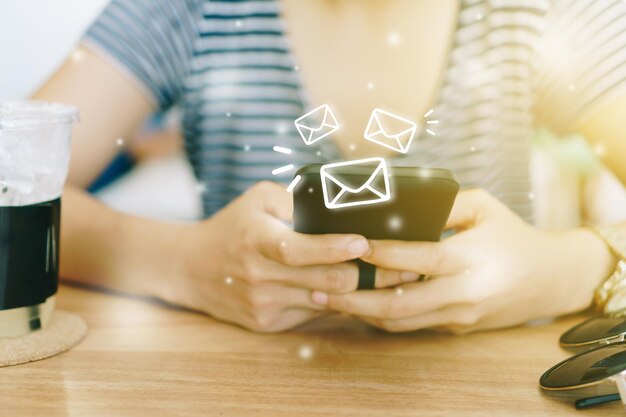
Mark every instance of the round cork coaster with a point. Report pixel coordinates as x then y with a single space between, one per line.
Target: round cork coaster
64 331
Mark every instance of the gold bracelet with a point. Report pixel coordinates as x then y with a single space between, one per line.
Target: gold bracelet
611 294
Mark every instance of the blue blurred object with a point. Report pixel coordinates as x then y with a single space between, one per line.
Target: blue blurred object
121 165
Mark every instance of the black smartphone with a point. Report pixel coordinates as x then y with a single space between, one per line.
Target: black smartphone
401 203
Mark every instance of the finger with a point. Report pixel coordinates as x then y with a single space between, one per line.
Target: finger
290 297
298 249
276 200
390 278
293 317
337 278
276 297
470 207
428 258
276 321
457 318
393 304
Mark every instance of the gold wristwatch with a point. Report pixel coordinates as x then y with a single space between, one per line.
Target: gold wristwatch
610 296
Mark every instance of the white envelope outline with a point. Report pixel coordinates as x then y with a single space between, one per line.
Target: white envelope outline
307 128
334 202
397 141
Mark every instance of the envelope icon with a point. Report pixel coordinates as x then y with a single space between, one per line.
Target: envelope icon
317 124
342 188
391 131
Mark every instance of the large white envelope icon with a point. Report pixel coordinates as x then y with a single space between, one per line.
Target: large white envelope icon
339 187
317 124
391 131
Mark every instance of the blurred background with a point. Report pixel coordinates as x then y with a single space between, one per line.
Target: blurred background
150 177
37 44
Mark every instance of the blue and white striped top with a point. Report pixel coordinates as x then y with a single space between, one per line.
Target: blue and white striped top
514 65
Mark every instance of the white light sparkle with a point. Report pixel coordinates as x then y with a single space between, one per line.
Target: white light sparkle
305 352
395 223
282 128
201 188
599 149
229 281
78 56
394 39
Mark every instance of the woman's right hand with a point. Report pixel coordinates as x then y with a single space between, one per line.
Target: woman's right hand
245 265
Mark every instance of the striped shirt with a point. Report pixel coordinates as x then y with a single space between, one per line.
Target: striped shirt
515 65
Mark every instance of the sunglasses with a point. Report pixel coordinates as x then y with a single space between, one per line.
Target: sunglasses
602 362
597 331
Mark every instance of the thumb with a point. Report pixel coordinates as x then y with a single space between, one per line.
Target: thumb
470 208
277 201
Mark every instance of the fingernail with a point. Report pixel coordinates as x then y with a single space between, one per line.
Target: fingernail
407 276
358 247
319 297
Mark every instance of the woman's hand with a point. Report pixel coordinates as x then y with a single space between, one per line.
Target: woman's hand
496 271
246 266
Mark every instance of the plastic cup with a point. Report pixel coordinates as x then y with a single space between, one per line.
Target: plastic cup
34 160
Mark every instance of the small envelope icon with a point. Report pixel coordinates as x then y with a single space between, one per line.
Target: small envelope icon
391 131
317 124
342 188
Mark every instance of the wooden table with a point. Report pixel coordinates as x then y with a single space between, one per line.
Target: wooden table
144 359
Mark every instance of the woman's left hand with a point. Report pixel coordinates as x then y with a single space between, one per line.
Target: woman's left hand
496 271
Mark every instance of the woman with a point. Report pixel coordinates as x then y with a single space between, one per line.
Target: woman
242 71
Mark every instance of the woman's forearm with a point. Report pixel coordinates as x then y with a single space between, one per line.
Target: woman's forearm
102 247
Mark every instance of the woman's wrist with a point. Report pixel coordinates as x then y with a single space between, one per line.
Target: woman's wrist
591 262
150 257
605 260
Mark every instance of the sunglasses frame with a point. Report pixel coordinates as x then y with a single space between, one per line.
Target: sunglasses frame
579 386
618 379
599 342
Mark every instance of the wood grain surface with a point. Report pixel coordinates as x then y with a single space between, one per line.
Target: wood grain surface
141 358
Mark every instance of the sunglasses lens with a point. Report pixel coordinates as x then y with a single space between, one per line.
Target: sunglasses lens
594 330
587 368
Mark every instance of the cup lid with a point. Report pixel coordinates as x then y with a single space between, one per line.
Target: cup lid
28 114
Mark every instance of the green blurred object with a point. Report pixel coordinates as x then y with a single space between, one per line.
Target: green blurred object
571 152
